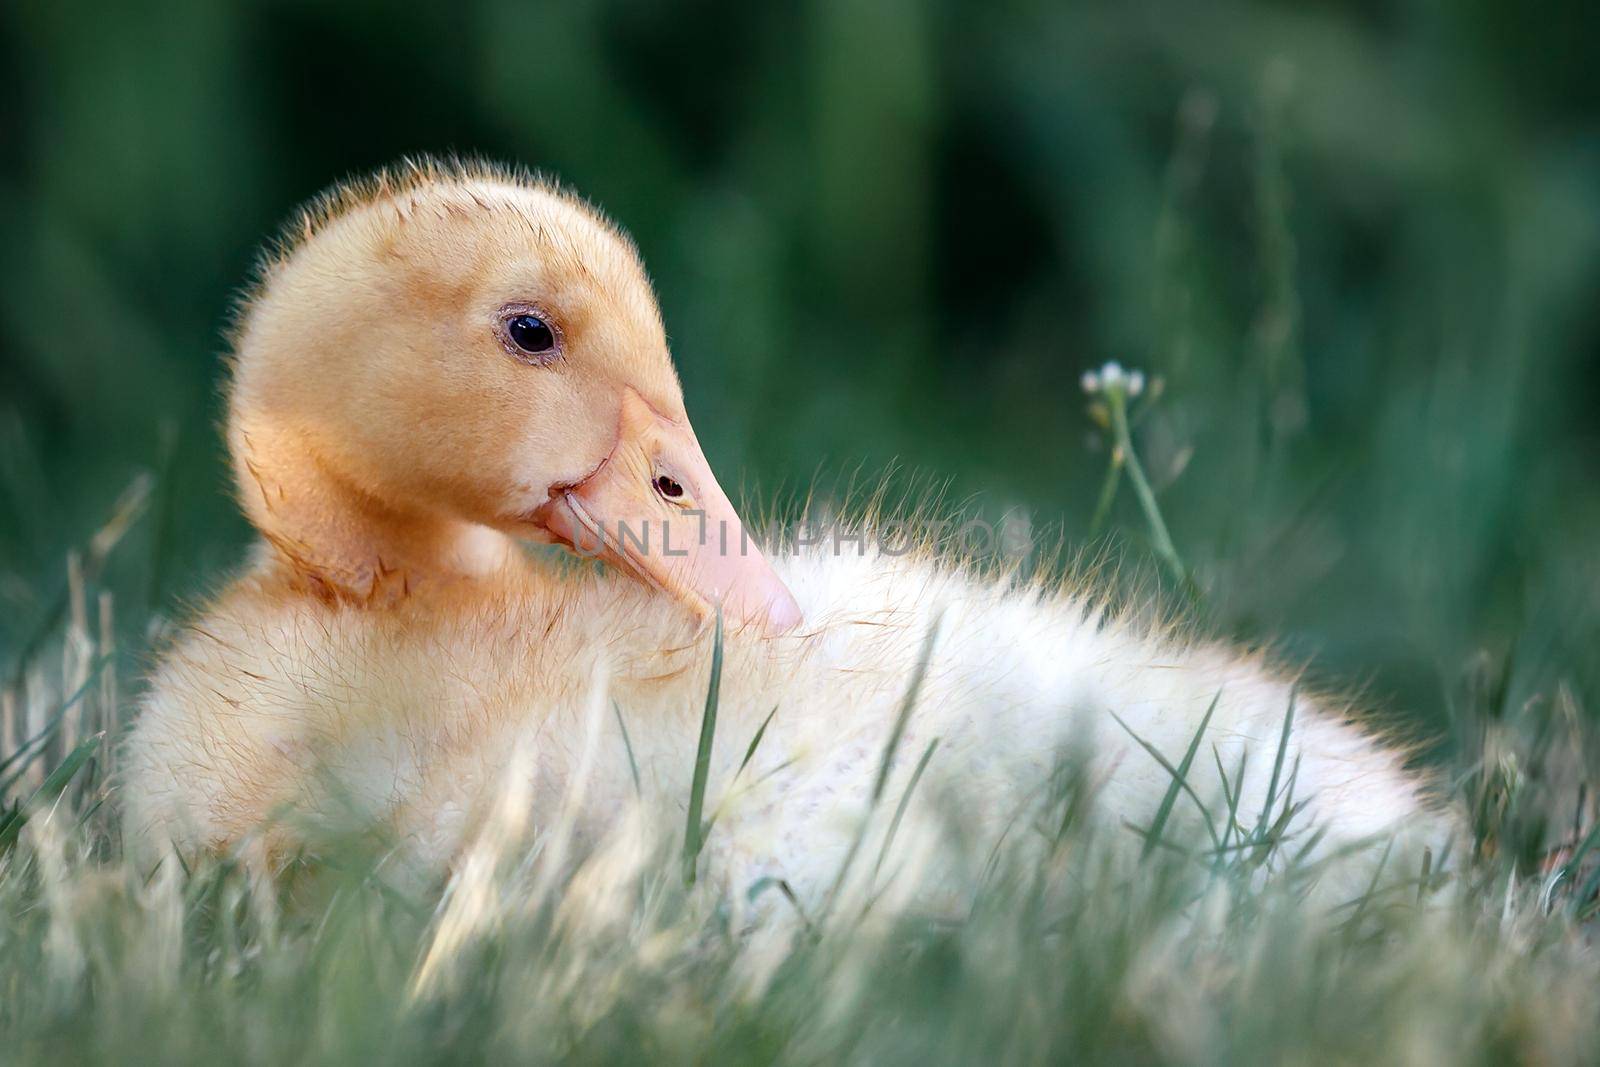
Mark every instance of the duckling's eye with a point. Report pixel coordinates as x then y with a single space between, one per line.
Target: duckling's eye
531 334
528 335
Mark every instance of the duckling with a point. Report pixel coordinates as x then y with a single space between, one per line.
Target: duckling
445 361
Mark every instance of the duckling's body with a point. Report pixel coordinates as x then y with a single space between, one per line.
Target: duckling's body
408 718
455 359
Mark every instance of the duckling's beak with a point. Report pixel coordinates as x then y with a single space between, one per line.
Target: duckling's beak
654 509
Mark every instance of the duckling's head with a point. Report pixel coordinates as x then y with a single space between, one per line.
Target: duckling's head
447 352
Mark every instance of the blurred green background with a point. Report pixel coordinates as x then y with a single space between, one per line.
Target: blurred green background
1359 242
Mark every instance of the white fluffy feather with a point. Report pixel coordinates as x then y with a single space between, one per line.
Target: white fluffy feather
411 715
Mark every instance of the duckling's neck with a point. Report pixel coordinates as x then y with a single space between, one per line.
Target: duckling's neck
341 543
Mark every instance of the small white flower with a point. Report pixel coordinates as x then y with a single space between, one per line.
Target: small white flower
1112 376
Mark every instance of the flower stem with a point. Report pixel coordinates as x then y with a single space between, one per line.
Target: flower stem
1108 492
1162 540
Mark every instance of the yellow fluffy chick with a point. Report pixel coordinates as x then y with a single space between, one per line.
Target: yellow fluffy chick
444 360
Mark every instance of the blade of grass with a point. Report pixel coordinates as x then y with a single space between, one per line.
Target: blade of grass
693 838
905 801
914 690
1277 766
749 754
886 765
1179 777
52 787
1231 796
125 512
1372 888
1180 780
30 749
755 742
627 745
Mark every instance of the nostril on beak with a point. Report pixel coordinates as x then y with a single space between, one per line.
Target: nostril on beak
668 488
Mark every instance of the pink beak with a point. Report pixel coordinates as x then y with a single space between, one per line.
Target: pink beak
654 509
